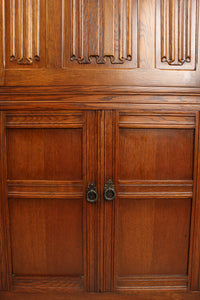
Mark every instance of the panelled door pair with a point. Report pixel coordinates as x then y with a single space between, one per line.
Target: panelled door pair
97 201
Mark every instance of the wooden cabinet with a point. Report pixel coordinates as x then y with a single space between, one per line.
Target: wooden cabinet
140 237
99 149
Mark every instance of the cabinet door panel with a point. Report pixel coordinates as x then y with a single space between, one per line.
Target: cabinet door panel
48 154
153 236
46 236
154 182
48 219
150 154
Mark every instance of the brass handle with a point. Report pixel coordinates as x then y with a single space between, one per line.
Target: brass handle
91 194
109 191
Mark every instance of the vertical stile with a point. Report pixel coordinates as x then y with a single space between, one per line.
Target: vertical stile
85 267
194 253
101 176
116 166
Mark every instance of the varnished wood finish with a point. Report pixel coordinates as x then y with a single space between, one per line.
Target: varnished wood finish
128 32
102 33
176 25
25 27
3 237
93 90
143 205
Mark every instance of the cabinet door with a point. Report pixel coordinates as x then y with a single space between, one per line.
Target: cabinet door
49 224
153 208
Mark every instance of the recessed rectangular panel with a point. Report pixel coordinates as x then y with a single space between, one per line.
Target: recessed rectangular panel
156 154
153 236
44 154
46 236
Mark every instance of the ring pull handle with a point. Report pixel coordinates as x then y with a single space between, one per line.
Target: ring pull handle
91 194
109 191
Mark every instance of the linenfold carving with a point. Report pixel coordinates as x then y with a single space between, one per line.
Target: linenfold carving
24 31
102 31
177 32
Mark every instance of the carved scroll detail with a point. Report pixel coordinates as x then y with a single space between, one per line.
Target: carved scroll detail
176 28
101 30
24 31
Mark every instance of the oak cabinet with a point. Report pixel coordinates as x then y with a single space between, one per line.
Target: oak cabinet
63 234
99 149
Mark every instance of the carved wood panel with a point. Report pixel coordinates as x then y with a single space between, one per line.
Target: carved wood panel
176 30
26 31
100 32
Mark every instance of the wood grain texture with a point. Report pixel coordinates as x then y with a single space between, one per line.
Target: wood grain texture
4 271
41 284
107 207
153 236
176 35
194 267
43 189
38 154
167 148
152 282
45 239
128 120
54 33
145 200
61 34
91 209
146 295
44 120
151 188
113 93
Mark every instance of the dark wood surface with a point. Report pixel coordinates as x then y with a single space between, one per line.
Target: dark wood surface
94 90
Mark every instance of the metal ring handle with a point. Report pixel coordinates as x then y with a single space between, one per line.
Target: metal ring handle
91 194
109 191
